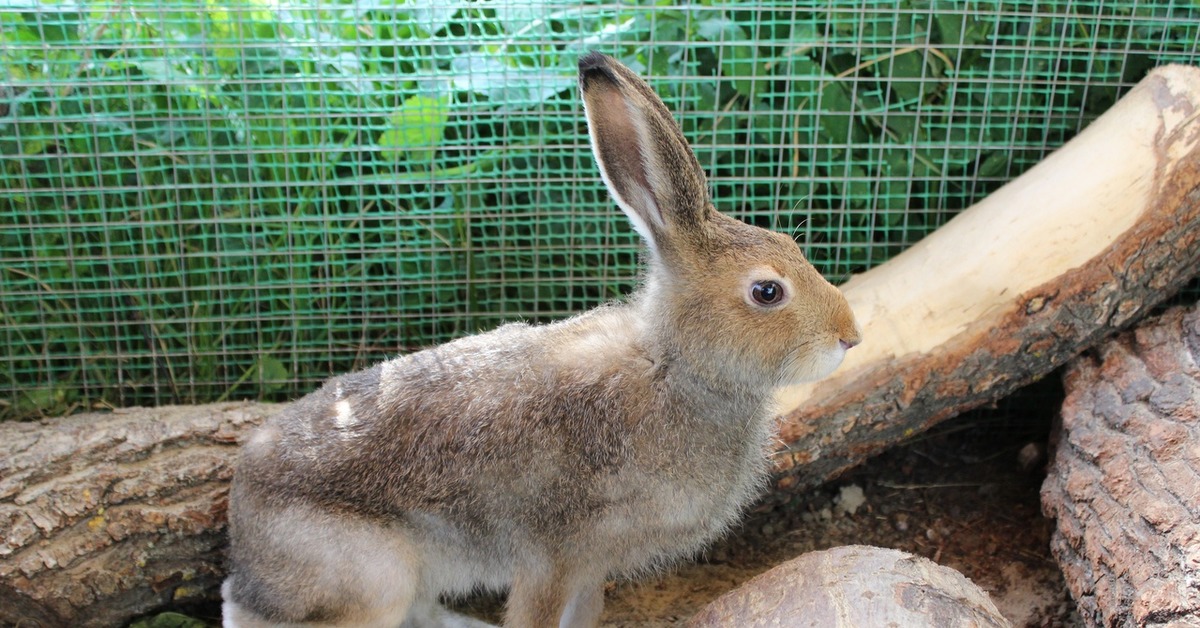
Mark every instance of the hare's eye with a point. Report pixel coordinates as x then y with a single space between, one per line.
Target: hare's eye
766 292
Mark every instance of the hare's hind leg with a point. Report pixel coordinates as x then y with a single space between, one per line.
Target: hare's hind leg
299 566
555 597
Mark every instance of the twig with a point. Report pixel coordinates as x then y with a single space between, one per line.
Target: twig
910 487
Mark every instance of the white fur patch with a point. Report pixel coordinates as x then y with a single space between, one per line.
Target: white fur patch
263 441
344 416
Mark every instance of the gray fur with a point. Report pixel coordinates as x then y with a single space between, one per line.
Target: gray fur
542 459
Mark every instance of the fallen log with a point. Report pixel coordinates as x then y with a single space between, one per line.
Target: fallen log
1072 250
851 587
106 516
1124 484
103 517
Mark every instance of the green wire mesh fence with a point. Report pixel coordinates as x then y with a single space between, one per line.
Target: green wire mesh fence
214 199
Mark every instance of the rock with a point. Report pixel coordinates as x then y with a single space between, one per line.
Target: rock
852 587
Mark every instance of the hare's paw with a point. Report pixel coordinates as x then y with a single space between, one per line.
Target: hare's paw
436 616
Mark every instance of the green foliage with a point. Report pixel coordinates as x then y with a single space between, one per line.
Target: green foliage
169 620
206 199
416 129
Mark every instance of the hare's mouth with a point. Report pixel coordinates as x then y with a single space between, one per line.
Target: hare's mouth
811 363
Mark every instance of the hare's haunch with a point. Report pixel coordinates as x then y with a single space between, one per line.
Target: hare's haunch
544 460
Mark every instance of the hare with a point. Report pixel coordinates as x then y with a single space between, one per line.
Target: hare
546 459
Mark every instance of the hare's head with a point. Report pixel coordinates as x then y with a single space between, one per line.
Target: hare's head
738 304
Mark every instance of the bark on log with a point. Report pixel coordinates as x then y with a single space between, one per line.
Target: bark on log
1074 249
107 516
1124 484
851 587
103 517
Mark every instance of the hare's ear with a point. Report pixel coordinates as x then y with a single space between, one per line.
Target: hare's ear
643 157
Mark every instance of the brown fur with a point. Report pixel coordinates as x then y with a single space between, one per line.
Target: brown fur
542 458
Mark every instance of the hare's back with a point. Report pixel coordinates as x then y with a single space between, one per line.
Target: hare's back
458 427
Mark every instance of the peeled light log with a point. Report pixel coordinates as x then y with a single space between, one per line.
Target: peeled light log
103 517
1124 486
852 587
1071 251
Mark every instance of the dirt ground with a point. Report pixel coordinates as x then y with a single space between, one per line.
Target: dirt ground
961 496
940 498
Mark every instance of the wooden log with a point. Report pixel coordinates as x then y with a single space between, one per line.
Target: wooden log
106 516
854 586
1076 248
1124 484
103 517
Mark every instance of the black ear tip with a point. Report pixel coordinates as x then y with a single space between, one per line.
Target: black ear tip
593 60
596 65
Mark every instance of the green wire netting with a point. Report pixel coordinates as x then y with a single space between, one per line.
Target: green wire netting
215 199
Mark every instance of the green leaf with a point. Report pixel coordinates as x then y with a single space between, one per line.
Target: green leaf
893 194
904 125
34 146
857 188
949 25
805 76
994 165
416 128
518 17
737 52
906 78
836 118
56 23
431 16
514 85
42 400
612 32
272 373
168 620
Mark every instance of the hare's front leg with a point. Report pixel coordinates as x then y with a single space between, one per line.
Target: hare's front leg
554 597
435 616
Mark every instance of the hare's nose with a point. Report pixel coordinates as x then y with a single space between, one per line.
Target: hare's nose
851 337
